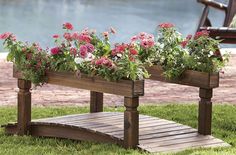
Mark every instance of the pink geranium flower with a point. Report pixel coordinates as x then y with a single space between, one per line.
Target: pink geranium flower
73 51
84 38
55 36
90 47
55 50
67 36
166 25
83 51
134 38
5 35
75 35
68 26
147 43
112 30
105 34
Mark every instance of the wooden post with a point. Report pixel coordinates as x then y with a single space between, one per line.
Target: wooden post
24 107
131 122
205 111
96 102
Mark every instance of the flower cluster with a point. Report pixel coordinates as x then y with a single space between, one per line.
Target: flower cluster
86 52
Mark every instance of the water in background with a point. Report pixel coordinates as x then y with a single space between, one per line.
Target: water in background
38 20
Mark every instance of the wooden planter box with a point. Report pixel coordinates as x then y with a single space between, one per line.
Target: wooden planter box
126 88
189 77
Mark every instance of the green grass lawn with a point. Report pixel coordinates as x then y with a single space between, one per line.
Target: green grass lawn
224 127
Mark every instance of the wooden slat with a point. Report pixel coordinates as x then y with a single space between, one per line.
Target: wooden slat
185 145
77 117
171 137
184 131
188 77
226 34
179 141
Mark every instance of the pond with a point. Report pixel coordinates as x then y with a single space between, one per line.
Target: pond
38 20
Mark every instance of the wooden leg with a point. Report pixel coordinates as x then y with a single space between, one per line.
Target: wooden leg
205 111
24 107
131 122
96 102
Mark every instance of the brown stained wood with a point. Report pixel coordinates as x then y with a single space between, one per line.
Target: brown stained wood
185 145
97 84
72 133
143 125
214 4
131 122
96 102
169 138
24 107
189 77
78 117
126 88
205 111
158 135
152 131
155 138
179 141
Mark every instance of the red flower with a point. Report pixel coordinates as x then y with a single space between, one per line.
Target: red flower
55 50
133 51
166 25
55 36
5 35
104 61
199 34
184 43
68 26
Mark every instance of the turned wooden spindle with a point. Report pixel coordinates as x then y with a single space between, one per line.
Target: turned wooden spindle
205 111
131 122
96 102
24 107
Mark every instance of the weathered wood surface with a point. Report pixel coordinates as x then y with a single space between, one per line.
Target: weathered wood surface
228 10
205 111
24 107
155 135
224 33
96 102
189 77
126 88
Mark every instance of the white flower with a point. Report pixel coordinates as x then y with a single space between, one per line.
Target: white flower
78 60
119 55
89 57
